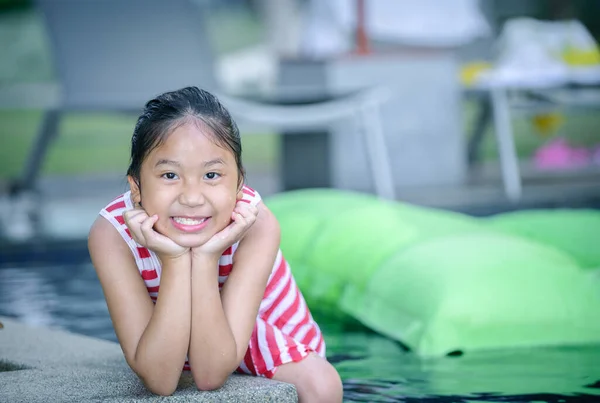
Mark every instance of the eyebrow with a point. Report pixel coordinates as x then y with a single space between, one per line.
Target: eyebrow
167 162
207 164
216 161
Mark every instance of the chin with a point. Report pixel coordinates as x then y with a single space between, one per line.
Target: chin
191 241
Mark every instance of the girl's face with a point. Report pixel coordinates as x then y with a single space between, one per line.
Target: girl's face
191 183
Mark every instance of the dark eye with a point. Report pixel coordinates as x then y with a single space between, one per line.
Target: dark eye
211 175
170 175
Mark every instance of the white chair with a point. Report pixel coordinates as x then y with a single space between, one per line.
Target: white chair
114 55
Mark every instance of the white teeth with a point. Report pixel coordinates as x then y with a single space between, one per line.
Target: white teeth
188 221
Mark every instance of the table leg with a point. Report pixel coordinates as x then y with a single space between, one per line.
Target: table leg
377 152
476 138
511 175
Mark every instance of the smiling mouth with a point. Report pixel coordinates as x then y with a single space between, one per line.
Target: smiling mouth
189 221
190 225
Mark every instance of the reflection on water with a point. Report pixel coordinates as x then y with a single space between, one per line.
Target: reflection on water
374 369
67 297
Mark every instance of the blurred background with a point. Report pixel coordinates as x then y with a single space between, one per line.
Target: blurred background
479 107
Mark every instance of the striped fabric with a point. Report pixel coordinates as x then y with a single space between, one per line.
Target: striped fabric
285 330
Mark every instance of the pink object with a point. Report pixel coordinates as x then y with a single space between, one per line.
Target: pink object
558 154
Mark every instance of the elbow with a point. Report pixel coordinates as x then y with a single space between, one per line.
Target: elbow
158 383
160 386
209 382
214 378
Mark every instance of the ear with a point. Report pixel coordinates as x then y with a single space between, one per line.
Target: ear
241 180
135 190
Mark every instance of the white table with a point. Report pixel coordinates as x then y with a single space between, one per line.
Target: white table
501 108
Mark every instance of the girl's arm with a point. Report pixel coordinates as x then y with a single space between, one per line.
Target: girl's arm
154 339
222 323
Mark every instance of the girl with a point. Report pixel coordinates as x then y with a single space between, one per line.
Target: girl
190 265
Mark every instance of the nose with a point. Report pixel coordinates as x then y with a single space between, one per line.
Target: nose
192 195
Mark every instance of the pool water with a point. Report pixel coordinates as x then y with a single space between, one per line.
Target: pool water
373 368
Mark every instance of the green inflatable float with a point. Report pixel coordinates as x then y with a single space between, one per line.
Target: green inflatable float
442 282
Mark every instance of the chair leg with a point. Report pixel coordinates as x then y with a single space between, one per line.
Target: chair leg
24 201
37 155
375 146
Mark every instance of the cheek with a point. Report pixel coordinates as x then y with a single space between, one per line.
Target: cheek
226 222
228 203
156 202
162 224
228 210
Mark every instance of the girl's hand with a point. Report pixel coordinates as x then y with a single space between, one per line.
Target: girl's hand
243 217
141 227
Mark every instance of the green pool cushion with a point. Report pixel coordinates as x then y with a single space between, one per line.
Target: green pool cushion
332 238
574 231
301 213
479 290
435 280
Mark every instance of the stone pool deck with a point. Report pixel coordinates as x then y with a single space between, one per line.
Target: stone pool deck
58 366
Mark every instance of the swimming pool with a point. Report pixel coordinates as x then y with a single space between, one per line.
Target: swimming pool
373 368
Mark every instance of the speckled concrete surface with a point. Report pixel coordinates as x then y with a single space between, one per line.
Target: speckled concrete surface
65 367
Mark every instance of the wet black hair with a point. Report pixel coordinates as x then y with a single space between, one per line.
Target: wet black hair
173 109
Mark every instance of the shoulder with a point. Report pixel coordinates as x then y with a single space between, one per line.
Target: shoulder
121 202
109 231
266 225
105 239
257 251
114 210
265 230
265 220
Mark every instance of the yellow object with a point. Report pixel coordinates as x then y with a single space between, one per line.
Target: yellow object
471 72
578 57
548 123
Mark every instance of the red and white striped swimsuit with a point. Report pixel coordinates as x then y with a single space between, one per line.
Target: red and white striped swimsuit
285 330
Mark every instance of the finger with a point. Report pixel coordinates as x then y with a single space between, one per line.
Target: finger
236 230
245 209
138 230
138 236
146 227
249 213
240 219
136 216
253 211
237 226
242 203
133 222
151 236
